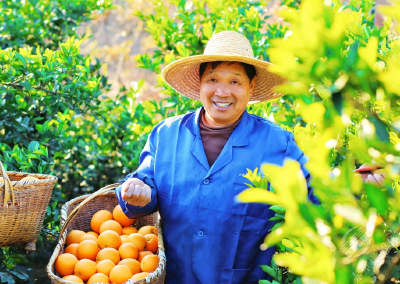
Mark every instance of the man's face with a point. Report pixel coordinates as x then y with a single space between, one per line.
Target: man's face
224 93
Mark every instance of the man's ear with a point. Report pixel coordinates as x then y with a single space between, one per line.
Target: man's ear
253 84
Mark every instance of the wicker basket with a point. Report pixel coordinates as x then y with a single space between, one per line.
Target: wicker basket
76 215
23 206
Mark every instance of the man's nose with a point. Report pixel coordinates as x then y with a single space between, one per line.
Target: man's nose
222 91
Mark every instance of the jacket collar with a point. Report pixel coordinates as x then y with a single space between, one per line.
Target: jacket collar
240 136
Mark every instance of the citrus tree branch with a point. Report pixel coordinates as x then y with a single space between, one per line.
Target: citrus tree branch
36 88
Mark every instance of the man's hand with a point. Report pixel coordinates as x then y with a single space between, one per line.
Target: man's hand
136 192
375 176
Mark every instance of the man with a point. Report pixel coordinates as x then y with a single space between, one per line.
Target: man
192 166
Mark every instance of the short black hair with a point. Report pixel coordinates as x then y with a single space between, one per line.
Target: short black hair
250 69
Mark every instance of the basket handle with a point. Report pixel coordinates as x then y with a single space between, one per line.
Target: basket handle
8 188
78 208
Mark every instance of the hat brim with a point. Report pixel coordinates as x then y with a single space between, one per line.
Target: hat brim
183 76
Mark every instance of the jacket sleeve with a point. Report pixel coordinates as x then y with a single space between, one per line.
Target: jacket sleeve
293 152
145 172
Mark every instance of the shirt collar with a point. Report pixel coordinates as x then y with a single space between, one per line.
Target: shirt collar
240 136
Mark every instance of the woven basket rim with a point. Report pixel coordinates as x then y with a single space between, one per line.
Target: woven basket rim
43 178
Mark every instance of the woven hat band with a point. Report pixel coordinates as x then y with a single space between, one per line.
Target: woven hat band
229 43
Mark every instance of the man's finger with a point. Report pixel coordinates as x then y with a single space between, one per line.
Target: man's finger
380 180
136 192
372 179
145 197
132 181
126 194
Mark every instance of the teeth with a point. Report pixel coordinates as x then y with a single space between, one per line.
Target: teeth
223 104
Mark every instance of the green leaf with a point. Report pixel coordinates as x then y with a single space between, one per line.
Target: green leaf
40 152
258 195
377 199
338 102
54 205
20 259
269 270
20 57
276 226
264 282
33 146
6 277
275 218
19 274
381 128
277 208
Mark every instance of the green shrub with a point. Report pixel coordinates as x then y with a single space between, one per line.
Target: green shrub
44 23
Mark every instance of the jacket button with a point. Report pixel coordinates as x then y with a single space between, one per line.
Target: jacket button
200 233
206 181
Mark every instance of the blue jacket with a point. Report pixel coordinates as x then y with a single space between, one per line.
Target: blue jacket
208 237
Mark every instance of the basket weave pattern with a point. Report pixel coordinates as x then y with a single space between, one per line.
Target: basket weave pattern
21 222
81 221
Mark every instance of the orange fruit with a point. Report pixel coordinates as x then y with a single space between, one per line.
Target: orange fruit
123 238
88 249
120 274
73 278
93 233
108 253
109 239
133 265
104 266
151 242
98 278
72 249
29 178
129 230
138 240
85 268
128 250
88 237
65 264
111 225
74 236
120 217
139 276
99 218
149 263
148 230
143 254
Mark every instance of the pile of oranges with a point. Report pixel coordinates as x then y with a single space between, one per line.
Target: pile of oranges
113 252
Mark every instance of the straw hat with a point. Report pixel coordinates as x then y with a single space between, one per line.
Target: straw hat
183 75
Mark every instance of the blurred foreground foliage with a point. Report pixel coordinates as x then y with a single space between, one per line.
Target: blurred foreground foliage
341 104
342 72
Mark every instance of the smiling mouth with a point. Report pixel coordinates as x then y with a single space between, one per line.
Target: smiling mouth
222 104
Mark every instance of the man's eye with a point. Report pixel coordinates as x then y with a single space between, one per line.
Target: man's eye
213 80
235 82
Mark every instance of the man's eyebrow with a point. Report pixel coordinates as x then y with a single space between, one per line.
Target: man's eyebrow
212 71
